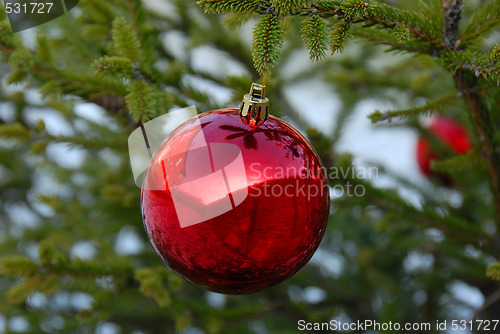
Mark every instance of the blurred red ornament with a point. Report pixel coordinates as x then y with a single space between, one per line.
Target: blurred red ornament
232 206
450 133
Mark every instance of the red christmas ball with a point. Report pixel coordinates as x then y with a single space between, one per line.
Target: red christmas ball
234 208
449 132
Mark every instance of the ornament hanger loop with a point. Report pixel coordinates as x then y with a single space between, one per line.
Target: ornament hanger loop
254 109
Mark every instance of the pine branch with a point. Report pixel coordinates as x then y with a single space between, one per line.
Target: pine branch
479 64
98 11
315 36
17 77
114 65
493 271
152 285
485 129
385 16
125 40
15 131
457 163
495 54
288 6
234 21
428 108
481 23
340 33
397 39
426 216
229 6
43 49
18 266
140 101
267 42
18 294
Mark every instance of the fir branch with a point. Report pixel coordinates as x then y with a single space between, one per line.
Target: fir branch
457 163
233 21
140 100
378 36
152 285
382 15
98 11
485 130
428 108
38 148
286 7
315 36
229 6
17 77
43 49
21 59
18 266
340 33
125 40
481 23
15 131
495 54
402 33
115 65
493 271
478 63
18 294
427 216
354 10
267 42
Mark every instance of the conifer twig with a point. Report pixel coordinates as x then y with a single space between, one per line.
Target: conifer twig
466 82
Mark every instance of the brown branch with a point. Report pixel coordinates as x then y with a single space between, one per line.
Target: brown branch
466 82
452 10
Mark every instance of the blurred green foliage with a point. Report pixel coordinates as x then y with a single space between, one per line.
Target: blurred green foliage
114 54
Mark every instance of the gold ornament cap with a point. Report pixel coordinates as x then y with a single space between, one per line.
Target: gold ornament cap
254 109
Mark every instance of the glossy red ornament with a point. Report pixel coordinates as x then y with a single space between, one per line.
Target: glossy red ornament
278 202
449 132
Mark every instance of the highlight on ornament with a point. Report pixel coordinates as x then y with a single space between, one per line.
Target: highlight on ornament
203 198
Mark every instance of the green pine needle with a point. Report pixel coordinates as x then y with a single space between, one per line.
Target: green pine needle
495 54
457 163
17 266
340 33
315 32
478 63
43 49
20 292
14 131
118 65
482 23
402 33
141 101
428 108
493 271
229 6
355 9
152 285
268 36
125 40
286 7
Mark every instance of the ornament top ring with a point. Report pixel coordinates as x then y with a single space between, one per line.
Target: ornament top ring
235 207
254 109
